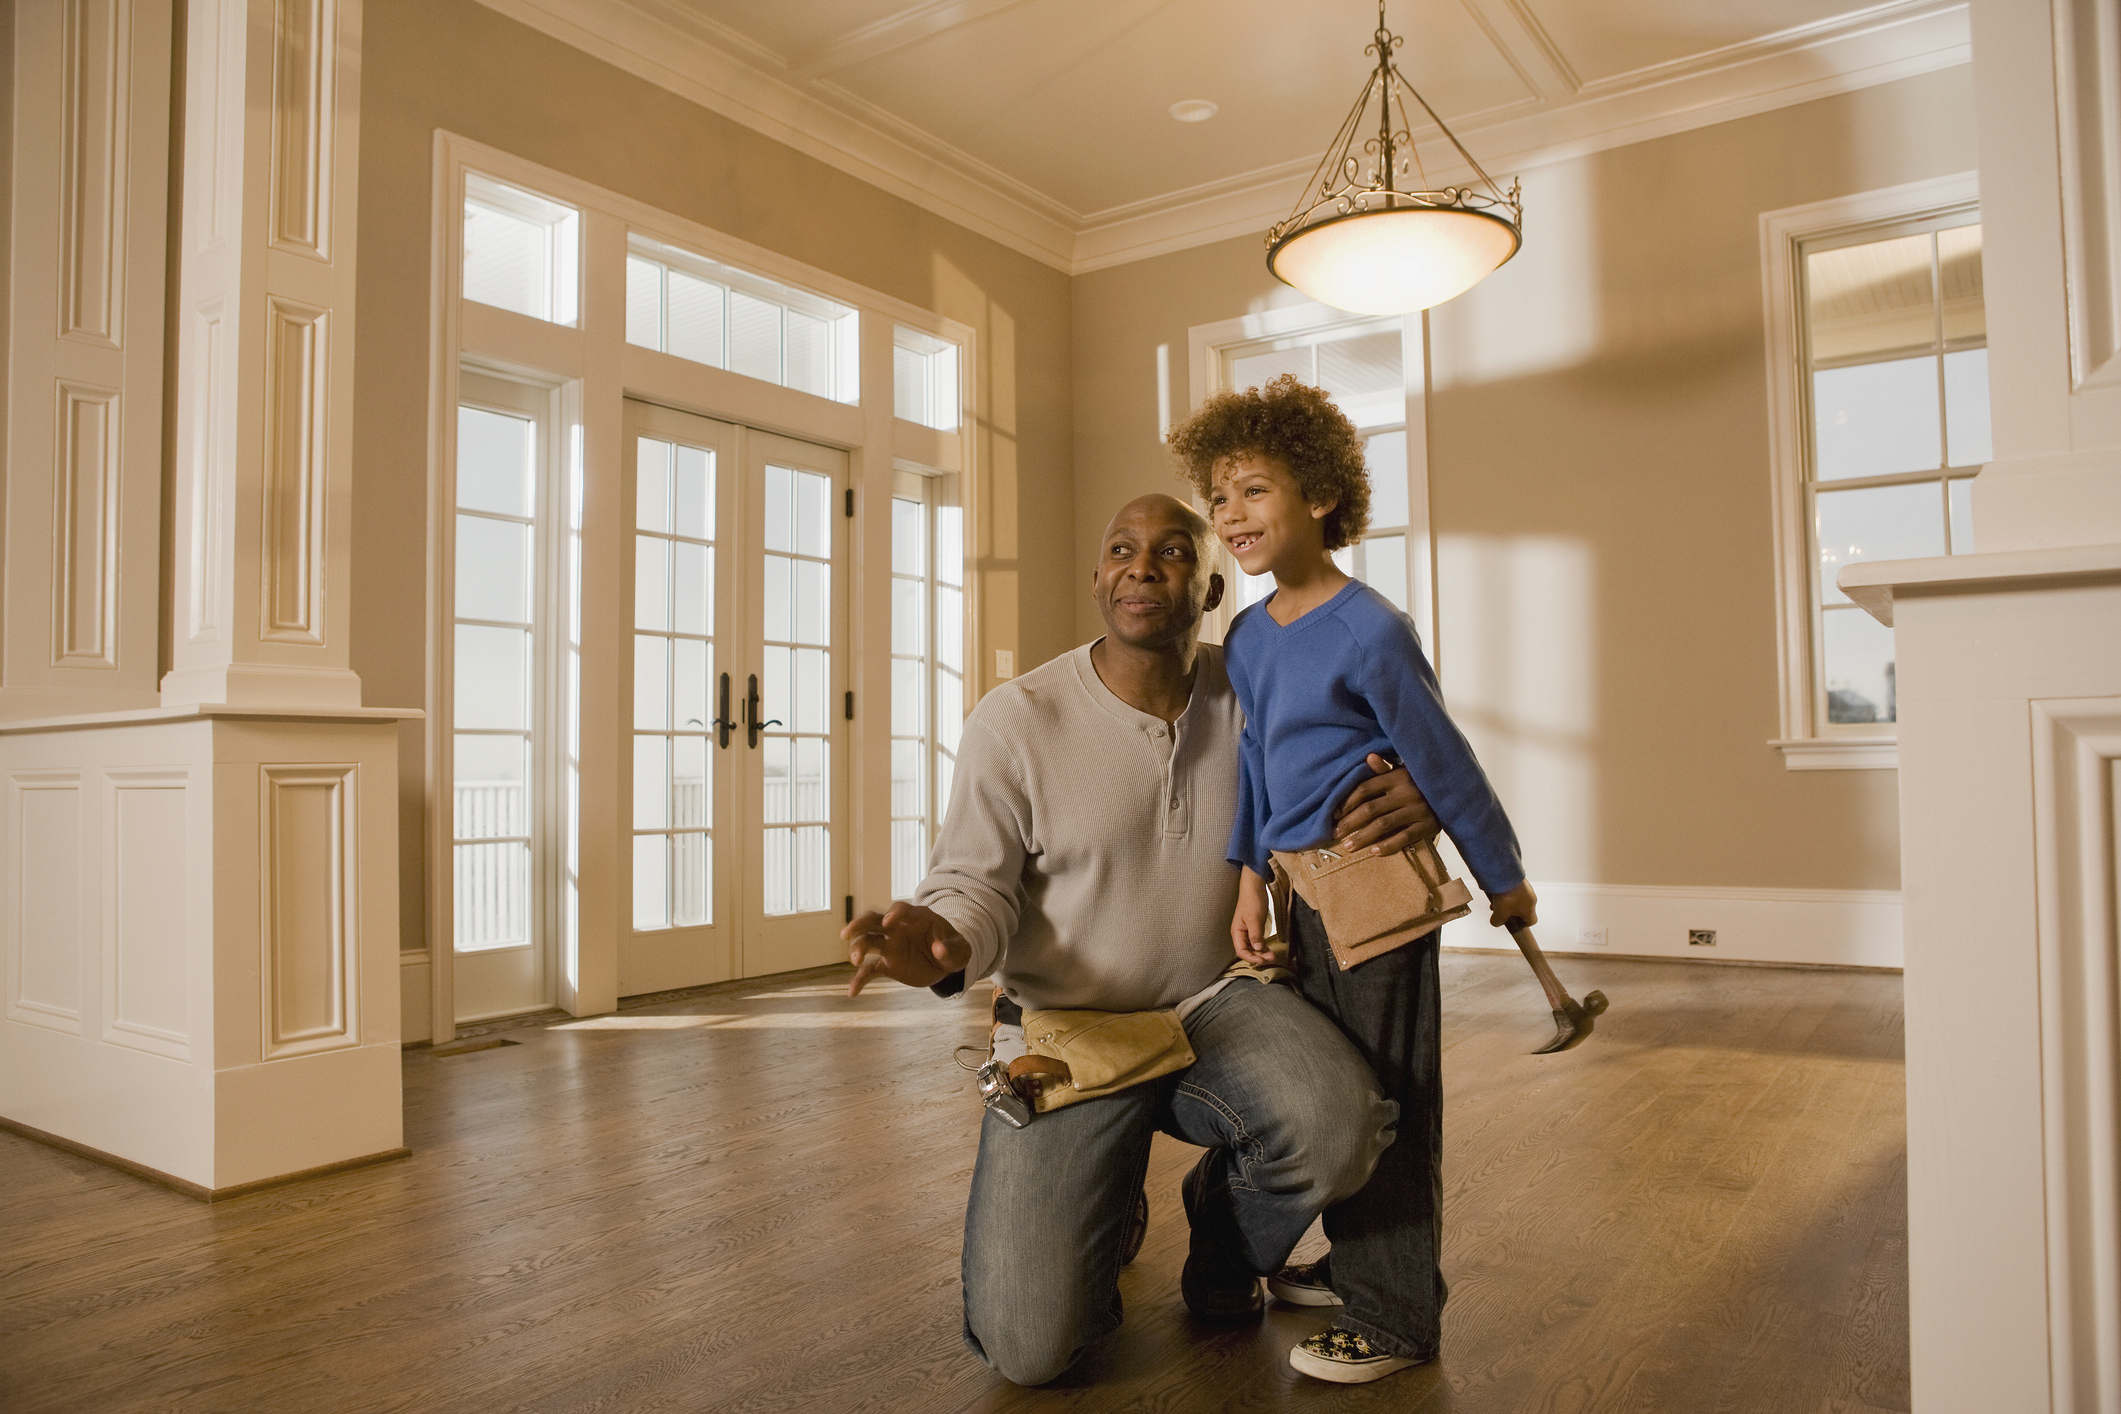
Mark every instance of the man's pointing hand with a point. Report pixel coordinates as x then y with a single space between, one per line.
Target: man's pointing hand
912 944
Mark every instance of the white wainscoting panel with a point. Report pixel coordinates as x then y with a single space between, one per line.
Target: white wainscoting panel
1831 927
146 885
311 970
2077 851
44 932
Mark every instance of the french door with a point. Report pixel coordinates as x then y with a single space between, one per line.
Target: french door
736 754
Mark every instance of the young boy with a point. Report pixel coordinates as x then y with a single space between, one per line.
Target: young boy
1327 671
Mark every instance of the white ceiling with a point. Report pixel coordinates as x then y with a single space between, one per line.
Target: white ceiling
1045 123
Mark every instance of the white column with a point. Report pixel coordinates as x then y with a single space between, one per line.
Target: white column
2047 95
265 343
84 387
2009 675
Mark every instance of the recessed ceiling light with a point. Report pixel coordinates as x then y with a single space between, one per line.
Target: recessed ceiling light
1194 110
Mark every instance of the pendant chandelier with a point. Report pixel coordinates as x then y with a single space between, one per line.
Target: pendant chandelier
1366 237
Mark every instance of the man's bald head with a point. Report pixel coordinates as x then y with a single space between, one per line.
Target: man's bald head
1155 574
1157 506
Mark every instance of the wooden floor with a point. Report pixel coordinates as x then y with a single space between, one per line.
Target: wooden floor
751 1201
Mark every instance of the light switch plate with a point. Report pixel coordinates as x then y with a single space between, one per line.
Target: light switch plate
1004 663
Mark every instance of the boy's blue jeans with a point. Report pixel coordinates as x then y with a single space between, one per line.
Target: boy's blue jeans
1387 1238
1295 1121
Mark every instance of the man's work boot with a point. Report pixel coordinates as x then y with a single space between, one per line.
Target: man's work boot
1216 1284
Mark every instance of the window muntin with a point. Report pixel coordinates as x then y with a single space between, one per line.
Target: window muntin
924 379
702 310
673 679
1897 424
927 668
521 250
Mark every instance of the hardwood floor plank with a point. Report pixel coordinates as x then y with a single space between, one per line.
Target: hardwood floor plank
751 1200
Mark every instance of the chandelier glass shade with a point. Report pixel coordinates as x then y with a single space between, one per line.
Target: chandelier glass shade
1367 236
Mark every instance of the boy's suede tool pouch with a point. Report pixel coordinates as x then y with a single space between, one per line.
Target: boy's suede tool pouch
1373 903
1081 1055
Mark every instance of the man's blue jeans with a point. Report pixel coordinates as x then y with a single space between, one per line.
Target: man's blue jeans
1298 1121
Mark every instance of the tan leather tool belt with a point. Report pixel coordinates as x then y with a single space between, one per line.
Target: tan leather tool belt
1372 903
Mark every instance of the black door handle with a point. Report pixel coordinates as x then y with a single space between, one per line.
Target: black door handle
722 724
752 724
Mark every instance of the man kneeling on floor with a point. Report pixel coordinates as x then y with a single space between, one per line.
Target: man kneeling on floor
1081 864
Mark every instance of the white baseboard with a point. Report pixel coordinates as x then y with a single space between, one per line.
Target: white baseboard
415 997
1821 927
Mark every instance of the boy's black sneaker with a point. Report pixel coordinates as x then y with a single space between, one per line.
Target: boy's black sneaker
1304 1284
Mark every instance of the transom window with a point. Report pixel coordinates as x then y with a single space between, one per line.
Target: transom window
521 250
699 309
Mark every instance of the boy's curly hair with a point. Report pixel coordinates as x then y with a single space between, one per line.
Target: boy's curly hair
1297 424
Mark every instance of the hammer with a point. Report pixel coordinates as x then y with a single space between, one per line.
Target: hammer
1572 1020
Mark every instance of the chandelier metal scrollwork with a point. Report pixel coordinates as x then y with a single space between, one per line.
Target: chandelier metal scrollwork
1368 232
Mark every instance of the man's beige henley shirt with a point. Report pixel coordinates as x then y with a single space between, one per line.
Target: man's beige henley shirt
1083 853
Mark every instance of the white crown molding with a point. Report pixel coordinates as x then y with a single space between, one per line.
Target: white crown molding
729 74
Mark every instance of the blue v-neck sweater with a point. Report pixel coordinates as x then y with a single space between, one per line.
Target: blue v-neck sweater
1320 694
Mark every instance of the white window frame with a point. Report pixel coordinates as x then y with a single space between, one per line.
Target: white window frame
593 371
1208 349
1803 743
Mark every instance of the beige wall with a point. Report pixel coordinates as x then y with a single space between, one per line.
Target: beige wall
457 65
1599 473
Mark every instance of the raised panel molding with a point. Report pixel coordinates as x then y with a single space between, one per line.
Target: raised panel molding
95 80
2088 124
207 552
297 352
304 40
44 954
2077 853
310 971
146 887
85 529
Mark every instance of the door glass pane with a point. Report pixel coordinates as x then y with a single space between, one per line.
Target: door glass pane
651 880
691 661
651 484
1859 667
651 582
949 545
651 682
651 782
1876 523
692 493
493 569
491 788
494 462
950 628
492 896
692 573
908 613
492 677
691 782
1876 418
691 885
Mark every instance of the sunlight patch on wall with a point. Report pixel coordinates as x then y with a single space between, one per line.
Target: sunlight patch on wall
1520 675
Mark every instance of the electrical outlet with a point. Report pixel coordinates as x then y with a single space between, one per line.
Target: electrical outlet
1701 937
1589 937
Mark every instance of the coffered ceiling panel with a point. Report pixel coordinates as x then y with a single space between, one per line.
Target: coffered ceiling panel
1073 97
1047 122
